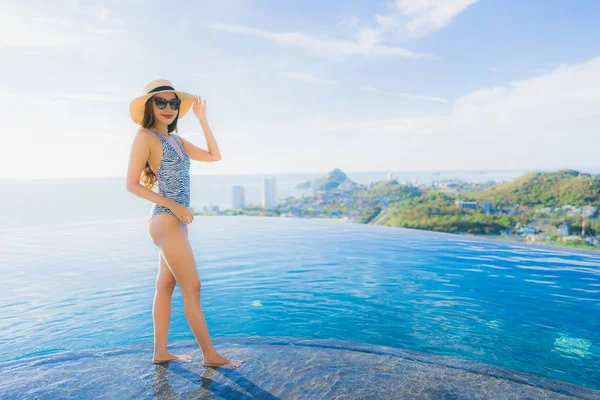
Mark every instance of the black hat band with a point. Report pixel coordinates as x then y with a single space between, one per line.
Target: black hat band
158 89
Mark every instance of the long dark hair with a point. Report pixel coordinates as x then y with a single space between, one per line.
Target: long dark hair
148 177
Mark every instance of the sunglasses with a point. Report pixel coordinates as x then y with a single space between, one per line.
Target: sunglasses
161 103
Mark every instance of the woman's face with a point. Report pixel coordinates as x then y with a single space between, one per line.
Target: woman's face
167 114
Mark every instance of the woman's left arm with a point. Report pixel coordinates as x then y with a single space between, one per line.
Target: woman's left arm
194 152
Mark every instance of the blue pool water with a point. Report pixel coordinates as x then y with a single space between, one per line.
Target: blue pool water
89 285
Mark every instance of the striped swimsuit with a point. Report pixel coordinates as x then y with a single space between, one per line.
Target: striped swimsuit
173 176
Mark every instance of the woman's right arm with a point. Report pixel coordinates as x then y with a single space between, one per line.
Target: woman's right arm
140 153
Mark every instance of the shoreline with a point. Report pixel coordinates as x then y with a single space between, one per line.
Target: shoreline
590 250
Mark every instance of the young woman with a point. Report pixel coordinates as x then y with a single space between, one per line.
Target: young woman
160 156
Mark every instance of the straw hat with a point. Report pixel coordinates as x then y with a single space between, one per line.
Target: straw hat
136 108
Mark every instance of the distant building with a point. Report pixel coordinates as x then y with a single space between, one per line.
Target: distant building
487 207
269 198
588 211
467 204
527 230
238 197
211 207
563 229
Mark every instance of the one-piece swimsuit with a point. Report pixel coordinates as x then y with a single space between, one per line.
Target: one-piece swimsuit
173 176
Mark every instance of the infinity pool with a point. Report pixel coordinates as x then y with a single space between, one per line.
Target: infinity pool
88 287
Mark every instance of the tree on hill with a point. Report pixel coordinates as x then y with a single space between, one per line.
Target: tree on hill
545 189
391 189
437 211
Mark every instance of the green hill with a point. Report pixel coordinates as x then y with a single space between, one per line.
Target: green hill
332 180
390 189
436 211
544 189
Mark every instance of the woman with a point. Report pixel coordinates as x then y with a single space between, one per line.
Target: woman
159 156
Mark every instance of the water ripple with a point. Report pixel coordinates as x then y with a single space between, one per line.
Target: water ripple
91 285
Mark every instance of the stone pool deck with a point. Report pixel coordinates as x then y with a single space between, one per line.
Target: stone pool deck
274 368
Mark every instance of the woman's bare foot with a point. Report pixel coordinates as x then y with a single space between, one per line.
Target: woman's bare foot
219 361
162 358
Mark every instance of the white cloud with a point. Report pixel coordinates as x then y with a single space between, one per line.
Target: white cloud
324 47
407 18
100 12
412 18
405 94
83 28
427 16
386 22
307 78
100 96
549 121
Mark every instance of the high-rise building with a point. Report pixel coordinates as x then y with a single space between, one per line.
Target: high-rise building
269 198
238 197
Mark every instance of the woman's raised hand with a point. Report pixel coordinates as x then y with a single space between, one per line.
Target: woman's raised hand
200 108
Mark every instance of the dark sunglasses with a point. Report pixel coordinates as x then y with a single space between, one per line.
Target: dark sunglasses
162 103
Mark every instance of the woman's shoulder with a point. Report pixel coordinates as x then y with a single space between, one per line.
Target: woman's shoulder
144 132
144 135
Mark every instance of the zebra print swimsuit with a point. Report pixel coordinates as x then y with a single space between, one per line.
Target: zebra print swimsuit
173 177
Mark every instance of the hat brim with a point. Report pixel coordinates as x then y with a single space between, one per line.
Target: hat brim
137 106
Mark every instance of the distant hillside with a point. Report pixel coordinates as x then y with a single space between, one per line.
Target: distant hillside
436 211
390 189
333 180
545 189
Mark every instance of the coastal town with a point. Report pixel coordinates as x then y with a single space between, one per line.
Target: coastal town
503 210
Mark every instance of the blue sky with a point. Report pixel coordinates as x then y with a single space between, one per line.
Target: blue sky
306 86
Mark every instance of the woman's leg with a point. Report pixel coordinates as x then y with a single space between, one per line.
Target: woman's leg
161 313
179 258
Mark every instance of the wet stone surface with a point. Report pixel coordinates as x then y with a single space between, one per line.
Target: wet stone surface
273 368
